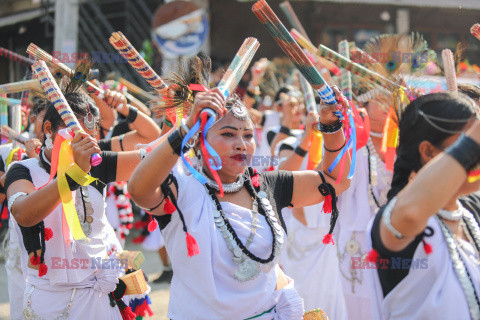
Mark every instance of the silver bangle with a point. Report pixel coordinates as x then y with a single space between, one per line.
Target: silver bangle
183 124
14 198
143 154
386 219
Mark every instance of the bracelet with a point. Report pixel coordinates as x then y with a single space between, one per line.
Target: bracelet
336 150
301 152
175 140
132 114
285 130
143 154
466 151
14 198
386 219
250 94
330 128
167 122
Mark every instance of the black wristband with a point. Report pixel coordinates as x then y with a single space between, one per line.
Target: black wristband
175 140
284 130
336 150
466 151
301 152
71 183
251 94
132 114
329 128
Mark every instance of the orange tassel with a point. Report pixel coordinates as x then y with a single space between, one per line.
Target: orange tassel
168 207
192 246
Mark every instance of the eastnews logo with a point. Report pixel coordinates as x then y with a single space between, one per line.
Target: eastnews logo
395 263
93 263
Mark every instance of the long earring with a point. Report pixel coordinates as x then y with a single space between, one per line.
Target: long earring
48 141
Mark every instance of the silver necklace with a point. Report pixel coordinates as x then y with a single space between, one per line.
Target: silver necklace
376 170
249 269
83 204
459 266
455 215
227 187
353 248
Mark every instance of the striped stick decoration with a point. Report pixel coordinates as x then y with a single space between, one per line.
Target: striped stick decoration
343 62
238 66
292 18
283 38
11 134
475 30
17 118
137 90
357 55
15 56
8 102
309 95
450 72
55 95
20 86
4 110
125 48
346 78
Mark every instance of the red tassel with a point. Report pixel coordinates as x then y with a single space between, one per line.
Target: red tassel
4 215
192 246
168 207
42 270
127 314
138 239
152 225
271 168
372 256
140 225
48 234
327 204
35 260
256 181
328 238
143 310
427 247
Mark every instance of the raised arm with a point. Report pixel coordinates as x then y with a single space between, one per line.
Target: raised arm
32 208
144 185
433 187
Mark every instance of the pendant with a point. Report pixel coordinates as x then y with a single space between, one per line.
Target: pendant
352 247
247 270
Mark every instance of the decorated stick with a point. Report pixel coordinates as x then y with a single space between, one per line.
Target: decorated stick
346 78
357 55
125 48
475 30
283 38
3 110
11 134
137 90
8 102
20 86
238 66
309 95
17 118
55 95
450 72
345 63
15 56
292 18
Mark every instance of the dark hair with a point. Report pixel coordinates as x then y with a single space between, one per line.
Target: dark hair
285 89
420 122
38 105
79 103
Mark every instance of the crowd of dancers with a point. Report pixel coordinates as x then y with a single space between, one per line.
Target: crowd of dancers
267 194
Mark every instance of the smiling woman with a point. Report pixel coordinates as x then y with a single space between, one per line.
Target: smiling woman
233 244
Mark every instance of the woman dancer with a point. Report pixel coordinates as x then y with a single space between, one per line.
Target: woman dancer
426 242
58 285
234 273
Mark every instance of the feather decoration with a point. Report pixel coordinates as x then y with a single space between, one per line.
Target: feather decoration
79 76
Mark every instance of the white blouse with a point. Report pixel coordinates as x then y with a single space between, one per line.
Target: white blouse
203 286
